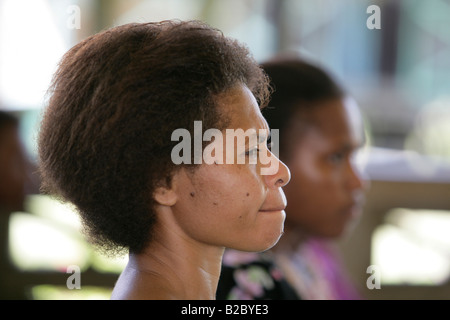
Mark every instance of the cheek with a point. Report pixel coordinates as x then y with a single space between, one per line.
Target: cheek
313 172
241 198
227 220
224 194
230 185
306 175
311 191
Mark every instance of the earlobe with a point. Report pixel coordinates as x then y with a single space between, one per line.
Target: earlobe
165 196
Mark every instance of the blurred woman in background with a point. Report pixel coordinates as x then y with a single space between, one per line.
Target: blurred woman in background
320 129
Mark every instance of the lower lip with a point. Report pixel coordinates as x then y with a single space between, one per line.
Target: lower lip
356 211
271 211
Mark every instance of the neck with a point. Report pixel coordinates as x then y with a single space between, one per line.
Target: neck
172 266
189 273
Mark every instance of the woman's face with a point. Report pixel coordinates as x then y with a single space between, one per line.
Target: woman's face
325 192
233 204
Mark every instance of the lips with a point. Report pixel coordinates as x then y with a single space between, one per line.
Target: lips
274 202
353 209
357 203
279 208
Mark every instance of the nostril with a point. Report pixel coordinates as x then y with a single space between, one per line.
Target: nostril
280 182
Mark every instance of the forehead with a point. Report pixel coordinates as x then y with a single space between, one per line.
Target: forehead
241 108
337 120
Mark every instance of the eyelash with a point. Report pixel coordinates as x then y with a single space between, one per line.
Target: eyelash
269 143
257 150
337 158
249 152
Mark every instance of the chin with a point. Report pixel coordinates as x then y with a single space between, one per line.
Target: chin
272 244
259 244
271 241
263 236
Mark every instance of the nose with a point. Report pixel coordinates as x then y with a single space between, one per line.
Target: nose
280 177
355 178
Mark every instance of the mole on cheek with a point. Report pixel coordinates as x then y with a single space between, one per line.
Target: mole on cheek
215 203
248 194
192 194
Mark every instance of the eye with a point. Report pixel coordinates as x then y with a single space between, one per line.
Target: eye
336 158
269 144
252 152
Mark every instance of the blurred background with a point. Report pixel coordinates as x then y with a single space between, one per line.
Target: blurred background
399 75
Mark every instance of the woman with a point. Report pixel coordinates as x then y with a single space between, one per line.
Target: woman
106 144
320 130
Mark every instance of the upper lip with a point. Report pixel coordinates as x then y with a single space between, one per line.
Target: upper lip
357 200
275 202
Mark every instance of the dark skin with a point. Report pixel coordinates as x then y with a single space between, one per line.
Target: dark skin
204 211
325 193
13 169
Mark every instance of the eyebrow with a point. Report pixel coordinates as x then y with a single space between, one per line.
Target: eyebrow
350 147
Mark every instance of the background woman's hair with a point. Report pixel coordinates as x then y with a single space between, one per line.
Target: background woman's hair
105 138
298 86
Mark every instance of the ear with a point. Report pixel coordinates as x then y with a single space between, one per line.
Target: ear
165 196
165 193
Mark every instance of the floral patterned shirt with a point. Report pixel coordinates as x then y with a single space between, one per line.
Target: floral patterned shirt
252 276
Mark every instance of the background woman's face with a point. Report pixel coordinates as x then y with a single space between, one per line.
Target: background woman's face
234 205
325 191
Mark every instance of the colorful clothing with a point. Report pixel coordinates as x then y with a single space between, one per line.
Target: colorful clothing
252 276
313 271
316 272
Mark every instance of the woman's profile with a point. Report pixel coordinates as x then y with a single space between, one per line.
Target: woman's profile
106 145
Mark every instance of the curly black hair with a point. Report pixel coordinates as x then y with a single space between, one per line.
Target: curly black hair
105 137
